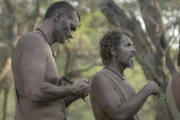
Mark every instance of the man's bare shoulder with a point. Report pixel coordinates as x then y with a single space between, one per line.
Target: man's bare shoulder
31 40
100 78
100 84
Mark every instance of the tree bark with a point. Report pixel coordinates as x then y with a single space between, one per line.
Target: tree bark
33 17
6 92
7 58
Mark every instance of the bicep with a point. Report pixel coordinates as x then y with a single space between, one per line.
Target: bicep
32 69
32 75
105 95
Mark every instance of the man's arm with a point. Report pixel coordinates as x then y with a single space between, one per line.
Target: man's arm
31 72
103 92
70 99
73 98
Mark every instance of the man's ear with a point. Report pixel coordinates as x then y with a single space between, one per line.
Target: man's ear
113 53
57 16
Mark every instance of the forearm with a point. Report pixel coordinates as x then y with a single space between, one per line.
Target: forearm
47 92
130 108
70 99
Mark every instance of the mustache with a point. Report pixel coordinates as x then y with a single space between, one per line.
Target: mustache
131 55
69 36
127 64
131 64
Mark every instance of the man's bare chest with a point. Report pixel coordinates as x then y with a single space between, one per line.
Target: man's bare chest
51 72
124 90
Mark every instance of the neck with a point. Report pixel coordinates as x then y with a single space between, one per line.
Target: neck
47 28
119 69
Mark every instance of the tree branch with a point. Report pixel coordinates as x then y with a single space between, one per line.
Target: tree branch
78 72
5 69
33 17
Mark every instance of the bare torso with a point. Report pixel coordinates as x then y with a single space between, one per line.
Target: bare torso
32 110
121 95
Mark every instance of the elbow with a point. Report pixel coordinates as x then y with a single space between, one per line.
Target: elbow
35 98
116 113
121 115
33 95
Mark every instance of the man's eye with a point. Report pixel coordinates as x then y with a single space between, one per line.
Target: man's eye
127 45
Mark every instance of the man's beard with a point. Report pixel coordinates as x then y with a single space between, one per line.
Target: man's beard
61 33
125 64
130 64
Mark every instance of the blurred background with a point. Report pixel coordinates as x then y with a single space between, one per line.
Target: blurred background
154 24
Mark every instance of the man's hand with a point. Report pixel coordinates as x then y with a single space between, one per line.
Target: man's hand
80 87
153 88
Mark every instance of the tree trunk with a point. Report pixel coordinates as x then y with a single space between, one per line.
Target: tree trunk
6 91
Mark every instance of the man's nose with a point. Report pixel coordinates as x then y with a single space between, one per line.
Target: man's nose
71 35
133 50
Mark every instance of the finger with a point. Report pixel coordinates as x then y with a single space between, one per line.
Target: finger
84 99
88 89
85 80
85 85
86 94
80 92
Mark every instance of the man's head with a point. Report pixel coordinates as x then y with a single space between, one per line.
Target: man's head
118 45
65 18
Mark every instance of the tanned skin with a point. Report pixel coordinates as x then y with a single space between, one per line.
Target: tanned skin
36 75
106 99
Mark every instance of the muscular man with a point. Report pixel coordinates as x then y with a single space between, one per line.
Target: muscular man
112 97
35 72
173 96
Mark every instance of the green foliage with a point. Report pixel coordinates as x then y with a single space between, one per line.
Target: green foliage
80 110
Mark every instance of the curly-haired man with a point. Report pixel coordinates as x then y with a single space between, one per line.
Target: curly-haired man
112 97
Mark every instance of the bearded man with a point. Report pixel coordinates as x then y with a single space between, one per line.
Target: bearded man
112 96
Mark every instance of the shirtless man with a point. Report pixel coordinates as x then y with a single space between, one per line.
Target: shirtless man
35 72
173 96
112 97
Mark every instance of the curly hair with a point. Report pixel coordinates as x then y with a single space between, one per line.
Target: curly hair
110 41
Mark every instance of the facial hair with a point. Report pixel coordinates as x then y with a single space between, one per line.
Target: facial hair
124 62
61 32
130 64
